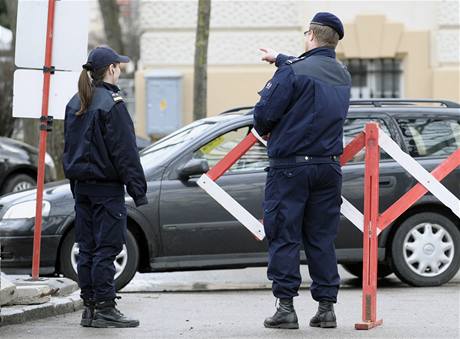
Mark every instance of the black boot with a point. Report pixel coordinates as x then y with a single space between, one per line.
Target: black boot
325 317
107 315
88 313
285 316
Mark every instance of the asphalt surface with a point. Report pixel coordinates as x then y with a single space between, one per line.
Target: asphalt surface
407 312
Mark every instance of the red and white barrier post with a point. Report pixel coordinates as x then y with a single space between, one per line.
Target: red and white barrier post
371 214
45 126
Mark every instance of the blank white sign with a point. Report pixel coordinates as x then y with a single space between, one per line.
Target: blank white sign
28 92
70 39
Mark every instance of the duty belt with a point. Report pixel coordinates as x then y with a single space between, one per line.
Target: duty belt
302 159
99 188
99 182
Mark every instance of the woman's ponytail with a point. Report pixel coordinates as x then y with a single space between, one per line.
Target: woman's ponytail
86 85
85 91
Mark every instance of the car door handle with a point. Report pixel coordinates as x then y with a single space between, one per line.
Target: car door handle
387 181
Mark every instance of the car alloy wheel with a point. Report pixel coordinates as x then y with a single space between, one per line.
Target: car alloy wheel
425 249
120 261
126 263
21 186
428 249
17 182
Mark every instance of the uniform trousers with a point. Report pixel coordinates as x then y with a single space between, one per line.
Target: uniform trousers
100 231
302 207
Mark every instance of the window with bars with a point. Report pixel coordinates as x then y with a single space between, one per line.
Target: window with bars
375 78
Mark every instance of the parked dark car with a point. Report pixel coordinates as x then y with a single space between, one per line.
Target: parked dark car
18 166
182 228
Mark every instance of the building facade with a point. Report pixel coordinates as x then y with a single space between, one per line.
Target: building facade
407 49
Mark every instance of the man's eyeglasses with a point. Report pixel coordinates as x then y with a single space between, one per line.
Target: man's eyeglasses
306 32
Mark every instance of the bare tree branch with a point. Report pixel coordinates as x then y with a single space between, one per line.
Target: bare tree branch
201 60
111 17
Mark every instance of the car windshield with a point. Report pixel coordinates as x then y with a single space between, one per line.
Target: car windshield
164 147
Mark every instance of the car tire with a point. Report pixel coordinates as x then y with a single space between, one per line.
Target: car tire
421 255
18 182
126 270
356 269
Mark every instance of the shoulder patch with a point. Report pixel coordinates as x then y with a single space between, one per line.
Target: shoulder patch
291 61
117 97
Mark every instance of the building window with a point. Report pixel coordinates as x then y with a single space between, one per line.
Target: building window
375 78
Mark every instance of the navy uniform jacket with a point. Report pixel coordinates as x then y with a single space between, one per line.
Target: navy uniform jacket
100 145
304 105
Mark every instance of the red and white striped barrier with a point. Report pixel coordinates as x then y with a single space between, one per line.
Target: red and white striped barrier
371 223
208 183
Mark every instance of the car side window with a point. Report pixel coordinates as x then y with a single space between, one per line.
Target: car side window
214 151
354 126
430 137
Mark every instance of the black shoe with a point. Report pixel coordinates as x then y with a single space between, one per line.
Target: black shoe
107 315
284 317
325 317
88 313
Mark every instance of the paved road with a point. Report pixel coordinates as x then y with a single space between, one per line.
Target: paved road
407 312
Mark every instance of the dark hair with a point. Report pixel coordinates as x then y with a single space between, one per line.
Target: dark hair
89 79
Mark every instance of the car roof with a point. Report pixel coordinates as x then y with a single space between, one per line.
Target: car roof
408 111
395 113
393 107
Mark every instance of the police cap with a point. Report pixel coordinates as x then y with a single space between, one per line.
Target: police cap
101 57
330 20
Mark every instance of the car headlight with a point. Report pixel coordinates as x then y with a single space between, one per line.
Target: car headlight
51 166
49 160
26 210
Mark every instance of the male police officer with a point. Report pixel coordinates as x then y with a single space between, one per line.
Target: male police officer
302 109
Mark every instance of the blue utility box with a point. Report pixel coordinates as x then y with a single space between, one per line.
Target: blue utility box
164 102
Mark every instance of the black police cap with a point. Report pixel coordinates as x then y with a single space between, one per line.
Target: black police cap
330 20
101 57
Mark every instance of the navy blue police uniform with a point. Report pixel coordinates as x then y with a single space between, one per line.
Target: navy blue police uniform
100 158
303 108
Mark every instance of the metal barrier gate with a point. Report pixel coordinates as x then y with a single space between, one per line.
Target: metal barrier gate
371 223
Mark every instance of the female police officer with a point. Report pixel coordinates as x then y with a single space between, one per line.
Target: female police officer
100 157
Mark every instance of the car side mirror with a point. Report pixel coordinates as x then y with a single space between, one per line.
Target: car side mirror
193 167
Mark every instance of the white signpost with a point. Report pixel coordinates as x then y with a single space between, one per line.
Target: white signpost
69 52
51 46
28 93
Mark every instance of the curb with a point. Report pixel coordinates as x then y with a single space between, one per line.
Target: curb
156 287
57 305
